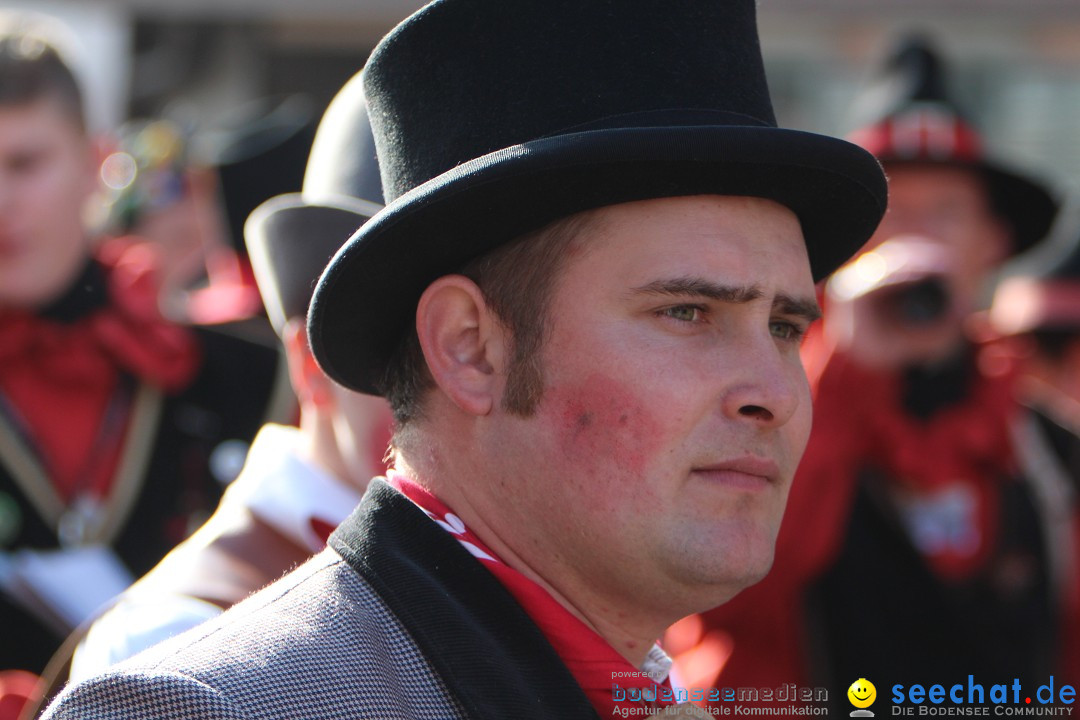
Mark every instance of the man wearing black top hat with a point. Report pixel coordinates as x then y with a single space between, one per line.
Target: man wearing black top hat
914 549
584 302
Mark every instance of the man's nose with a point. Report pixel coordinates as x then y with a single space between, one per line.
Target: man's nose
767 389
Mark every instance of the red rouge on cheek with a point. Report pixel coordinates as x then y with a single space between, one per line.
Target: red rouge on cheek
602 422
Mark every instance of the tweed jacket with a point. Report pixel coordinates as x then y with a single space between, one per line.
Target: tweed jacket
394 620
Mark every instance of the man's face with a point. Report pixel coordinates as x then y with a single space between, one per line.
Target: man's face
46 175
675 406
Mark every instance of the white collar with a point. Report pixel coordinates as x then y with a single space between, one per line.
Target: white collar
287 492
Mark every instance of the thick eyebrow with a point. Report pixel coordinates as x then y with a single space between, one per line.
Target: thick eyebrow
797 307
681 287
699 287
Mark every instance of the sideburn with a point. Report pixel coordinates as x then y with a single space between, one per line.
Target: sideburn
517 282
524 383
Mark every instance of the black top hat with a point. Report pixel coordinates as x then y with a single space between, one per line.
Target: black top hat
290 238
913 120
494 118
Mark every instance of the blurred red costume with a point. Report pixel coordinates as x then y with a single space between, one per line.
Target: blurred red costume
856 590
109 417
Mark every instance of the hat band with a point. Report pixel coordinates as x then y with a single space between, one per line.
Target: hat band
926 132
666 117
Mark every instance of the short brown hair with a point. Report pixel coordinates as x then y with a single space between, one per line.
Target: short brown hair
32 67
516 280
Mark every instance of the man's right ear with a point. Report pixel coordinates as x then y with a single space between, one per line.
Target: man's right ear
463 342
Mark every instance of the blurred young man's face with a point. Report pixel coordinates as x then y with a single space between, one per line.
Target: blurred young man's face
47 172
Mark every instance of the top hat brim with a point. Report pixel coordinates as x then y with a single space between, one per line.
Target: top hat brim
366 299
290 239
1028 206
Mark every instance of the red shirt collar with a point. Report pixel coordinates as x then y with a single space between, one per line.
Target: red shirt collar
596 666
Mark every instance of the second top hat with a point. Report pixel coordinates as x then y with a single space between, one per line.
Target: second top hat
291 237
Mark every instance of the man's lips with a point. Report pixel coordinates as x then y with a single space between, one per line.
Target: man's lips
750 472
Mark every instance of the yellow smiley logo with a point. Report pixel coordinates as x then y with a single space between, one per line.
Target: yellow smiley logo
862 693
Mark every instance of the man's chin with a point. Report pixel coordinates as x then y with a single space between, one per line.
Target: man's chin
718 585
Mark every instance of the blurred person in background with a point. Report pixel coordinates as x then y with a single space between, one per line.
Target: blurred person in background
186 186
117 427
157 194
913 547
298 483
